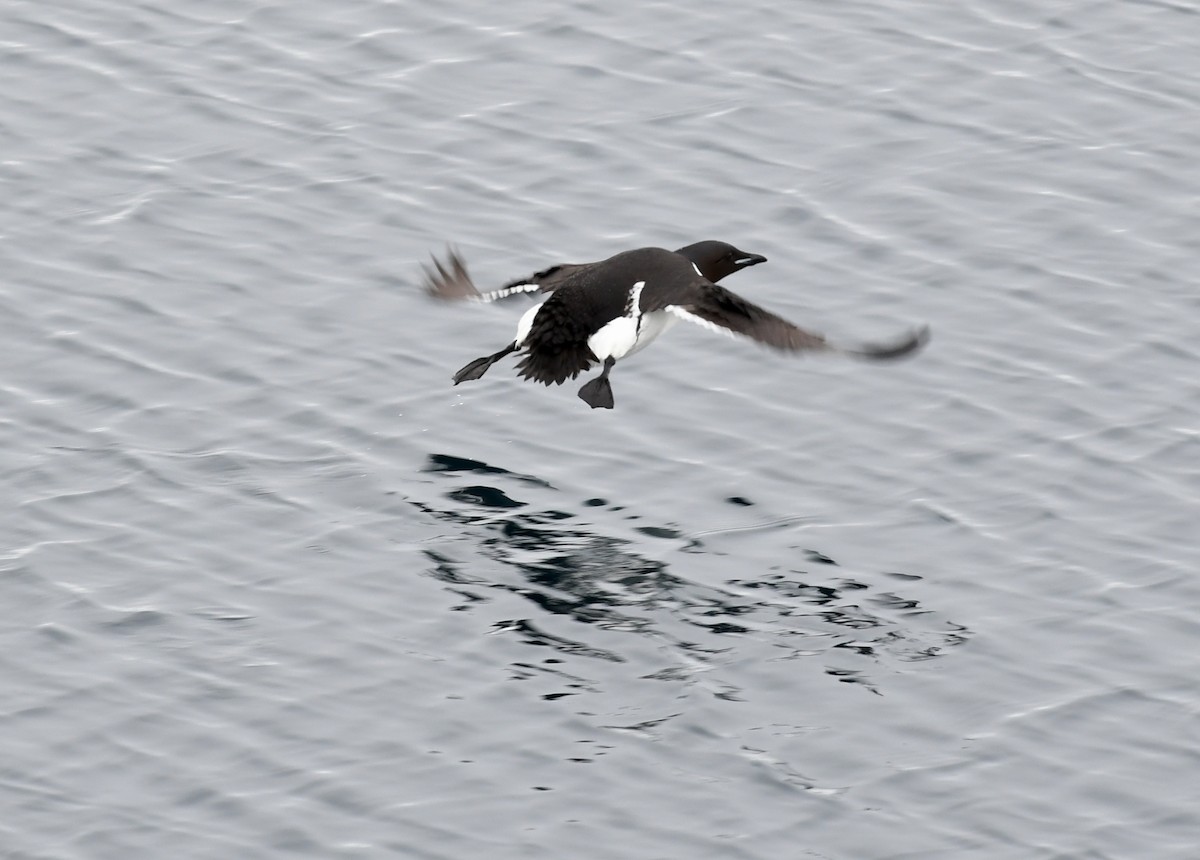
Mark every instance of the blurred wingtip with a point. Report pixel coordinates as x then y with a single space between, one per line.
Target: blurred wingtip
448 280
902 347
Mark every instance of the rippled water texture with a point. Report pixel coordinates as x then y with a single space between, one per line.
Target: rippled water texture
272 587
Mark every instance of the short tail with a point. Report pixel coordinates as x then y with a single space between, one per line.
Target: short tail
450 280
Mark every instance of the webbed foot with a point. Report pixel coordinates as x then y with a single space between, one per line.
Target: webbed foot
479 366
598 392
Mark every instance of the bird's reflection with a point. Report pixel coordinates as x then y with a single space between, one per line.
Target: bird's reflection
567 566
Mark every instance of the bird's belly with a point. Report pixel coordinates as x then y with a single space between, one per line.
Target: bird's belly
653 324
626 335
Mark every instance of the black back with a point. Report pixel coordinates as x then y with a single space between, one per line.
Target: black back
556 346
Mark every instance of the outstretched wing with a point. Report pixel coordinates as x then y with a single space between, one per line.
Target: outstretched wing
451 281
717 309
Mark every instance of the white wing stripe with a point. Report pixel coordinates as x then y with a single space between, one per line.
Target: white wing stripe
494 295
685 314
633 305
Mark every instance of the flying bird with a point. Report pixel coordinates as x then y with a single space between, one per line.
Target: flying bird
602 312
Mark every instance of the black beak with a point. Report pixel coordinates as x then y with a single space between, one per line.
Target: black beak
749 260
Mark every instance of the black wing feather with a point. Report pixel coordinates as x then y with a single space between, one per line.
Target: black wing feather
720 307
556 347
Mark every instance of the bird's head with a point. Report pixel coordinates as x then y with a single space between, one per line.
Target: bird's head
717 259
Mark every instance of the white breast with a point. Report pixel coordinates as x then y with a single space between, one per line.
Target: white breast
627 334
619 335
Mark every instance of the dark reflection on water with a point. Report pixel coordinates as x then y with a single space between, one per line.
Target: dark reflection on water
447 463
569 567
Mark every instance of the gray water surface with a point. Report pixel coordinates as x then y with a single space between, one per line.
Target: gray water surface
272 587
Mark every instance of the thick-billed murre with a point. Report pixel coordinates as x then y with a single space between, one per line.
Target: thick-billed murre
605 311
